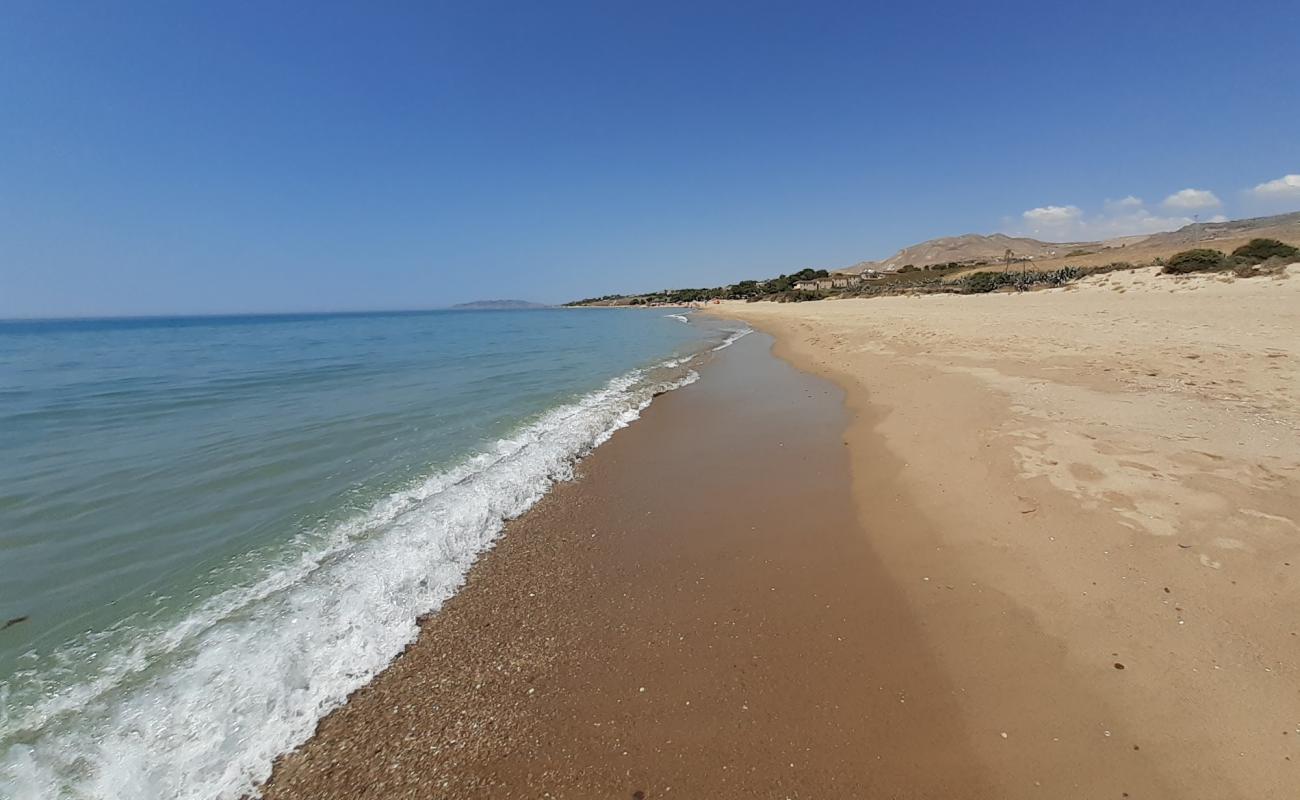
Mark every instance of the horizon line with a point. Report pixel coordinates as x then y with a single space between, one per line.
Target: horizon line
229 314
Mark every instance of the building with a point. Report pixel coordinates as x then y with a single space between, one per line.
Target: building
827 283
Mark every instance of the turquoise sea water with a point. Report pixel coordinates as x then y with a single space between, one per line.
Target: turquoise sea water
217 528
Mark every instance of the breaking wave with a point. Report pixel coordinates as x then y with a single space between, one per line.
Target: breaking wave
200 708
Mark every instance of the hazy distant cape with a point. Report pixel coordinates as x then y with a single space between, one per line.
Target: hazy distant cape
489 305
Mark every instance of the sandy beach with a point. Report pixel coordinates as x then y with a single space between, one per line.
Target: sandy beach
638 401
697 615
1108 481
1010 545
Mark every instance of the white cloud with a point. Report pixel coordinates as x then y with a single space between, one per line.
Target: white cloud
1133 222
1284 188
1052 215
1192 199
1124 203
1053 222
1127 216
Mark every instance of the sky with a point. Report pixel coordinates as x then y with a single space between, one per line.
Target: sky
193 158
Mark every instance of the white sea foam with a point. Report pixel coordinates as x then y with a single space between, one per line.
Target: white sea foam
732 338
677 362
679 317
200 709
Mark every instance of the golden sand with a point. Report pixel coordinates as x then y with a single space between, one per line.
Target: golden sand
697 616
1058 558
1110 478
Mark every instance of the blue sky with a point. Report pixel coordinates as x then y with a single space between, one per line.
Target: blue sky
177 157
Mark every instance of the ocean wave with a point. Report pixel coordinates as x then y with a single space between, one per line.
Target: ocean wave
678 317
201 708
732 338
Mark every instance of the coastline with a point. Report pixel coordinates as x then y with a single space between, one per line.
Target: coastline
292 521
1110 490
917 556
696 615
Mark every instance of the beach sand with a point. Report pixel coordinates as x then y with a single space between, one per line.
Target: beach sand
698 615
1107 482
1002 546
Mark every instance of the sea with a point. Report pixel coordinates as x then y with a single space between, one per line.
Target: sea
213 529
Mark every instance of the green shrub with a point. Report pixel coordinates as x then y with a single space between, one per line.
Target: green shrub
1062 276
1199 260
984 282
1258 250
796 296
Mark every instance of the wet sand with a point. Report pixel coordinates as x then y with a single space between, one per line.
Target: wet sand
697 615
1094 516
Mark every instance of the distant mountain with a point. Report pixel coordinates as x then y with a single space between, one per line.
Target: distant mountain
498 305
974 248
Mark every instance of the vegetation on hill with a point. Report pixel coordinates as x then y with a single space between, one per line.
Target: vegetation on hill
1199 259
945 265
982 282
1249 259
781 288
1257 251
773 289
971 250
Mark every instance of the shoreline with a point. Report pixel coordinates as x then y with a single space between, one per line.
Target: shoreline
1031 720
904 553
1117 484
696 615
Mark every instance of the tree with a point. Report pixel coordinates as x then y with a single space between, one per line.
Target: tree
808 274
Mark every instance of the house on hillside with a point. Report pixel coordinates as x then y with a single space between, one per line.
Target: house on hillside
827 283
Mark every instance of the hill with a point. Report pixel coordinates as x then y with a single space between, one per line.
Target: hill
949 258
974 249
967 249
498 305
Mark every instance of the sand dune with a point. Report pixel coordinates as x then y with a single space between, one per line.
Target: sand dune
1111 477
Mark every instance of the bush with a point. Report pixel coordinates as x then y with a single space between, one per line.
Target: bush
1062 276
984 282
1259 250
1199 260
796 296
1113 266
